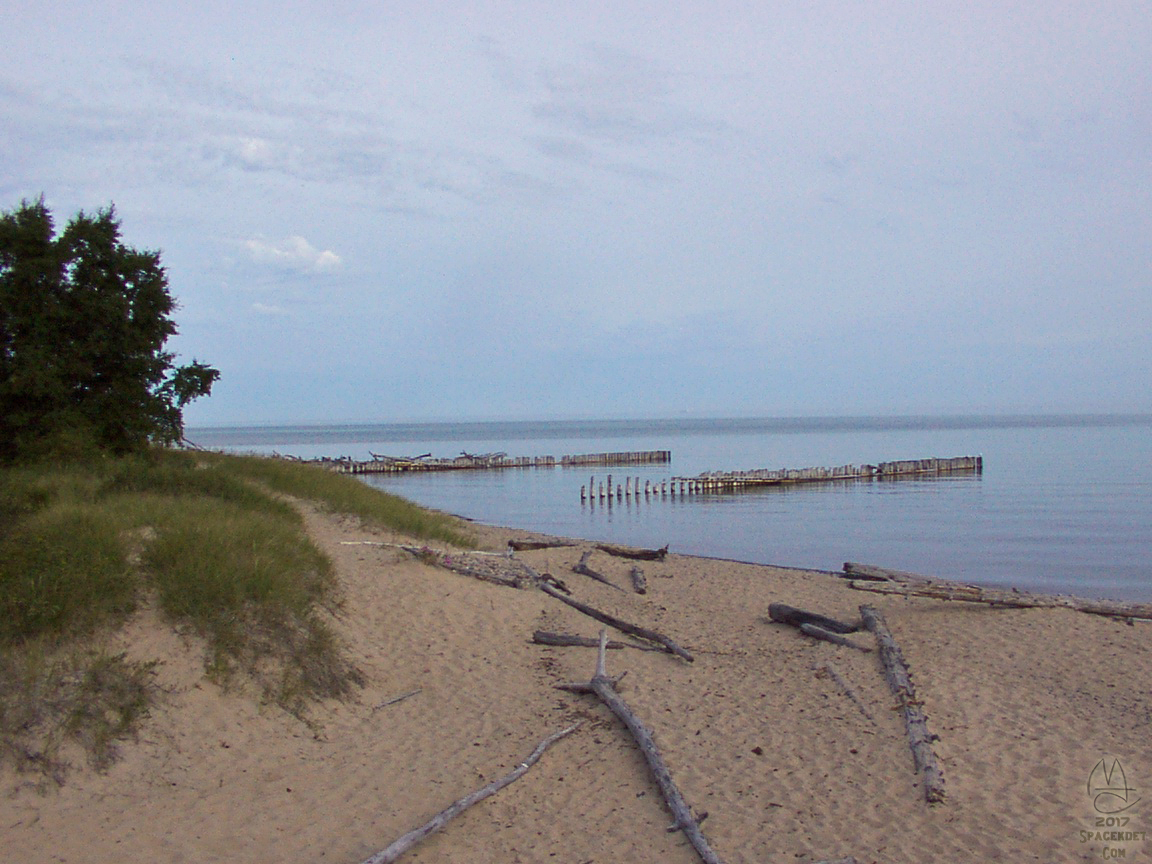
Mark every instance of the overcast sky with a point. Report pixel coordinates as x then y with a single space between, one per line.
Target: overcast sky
429 210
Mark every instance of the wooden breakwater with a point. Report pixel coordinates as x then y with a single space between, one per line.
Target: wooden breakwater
717 482
491 461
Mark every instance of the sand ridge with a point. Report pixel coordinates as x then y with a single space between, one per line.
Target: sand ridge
1025 702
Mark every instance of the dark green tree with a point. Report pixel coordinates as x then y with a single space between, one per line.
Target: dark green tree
83 322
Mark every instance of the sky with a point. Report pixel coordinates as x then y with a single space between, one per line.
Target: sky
391 211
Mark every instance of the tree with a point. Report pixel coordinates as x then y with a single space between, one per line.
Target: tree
83 322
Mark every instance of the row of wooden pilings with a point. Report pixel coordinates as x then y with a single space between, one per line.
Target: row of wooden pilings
631 489
396 465
731 481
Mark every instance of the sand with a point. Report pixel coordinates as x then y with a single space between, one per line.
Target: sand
1026 703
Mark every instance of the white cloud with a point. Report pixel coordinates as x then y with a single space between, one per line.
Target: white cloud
293 253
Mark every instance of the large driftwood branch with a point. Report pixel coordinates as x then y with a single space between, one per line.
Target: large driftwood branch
1006 598
487 567
782 613
870 573
633 553
896 672
604 688
403 844
565 640
584 570
619 624
529 545
835 638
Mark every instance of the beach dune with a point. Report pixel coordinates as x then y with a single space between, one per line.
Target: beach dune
758 731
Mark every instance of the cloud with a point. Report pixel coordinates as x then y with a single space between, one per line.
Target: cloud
293 253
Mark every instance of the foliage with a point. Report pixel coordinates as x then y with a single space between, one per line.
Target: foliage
83 323
51 695
211 541
344 494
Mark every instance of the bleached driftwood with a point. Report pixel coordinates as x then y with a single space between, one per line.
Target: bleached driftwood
403 844
835 638
530 545
830 671
604 688
896 672
782 613
565 640
1006 598
633 553
871 573
584 570
497 569
639 585
619 624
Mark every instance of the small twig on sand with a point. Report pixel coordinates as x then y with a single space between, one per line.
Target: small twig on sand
396 699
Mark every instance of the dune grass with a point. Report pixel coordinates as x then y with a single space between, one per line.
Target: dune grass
212 542
342 493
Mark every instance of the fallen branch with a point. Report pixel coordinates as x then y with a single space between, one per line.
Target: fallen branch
836 639
871 573
564 640
639 585
485 566
830 671
403 844
1007 598
633 553
530 545
619 624
584 570
604 688
782 613
896 672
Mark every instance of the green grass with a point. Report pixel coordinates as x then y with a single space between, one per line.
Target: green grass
212 541
342 493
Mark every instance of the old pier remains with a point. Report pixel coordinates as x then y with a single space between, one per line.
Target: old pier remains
720 482
380 464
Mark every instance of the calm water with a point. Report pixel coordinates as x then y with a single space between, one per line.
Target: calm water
1064 503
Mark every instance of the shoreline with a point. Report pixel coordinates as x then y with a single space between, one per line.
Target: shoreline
756 731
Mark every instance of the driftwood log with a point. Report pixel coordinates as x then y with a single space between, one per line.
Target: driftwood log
639 585
880 580
899 679
604 688
870 573
633 553
620 624
1006 598
530 545
835 638
584 570
782 613
403 844
566 640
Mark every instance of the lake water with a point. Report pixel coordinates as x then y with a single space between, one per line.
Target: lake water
1064 504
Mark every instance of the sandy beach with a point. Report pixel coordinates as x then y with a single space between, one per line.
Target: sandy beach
757 733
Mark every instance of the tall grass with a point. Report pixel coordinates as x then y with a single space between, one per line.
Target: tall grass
342 493
212 540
